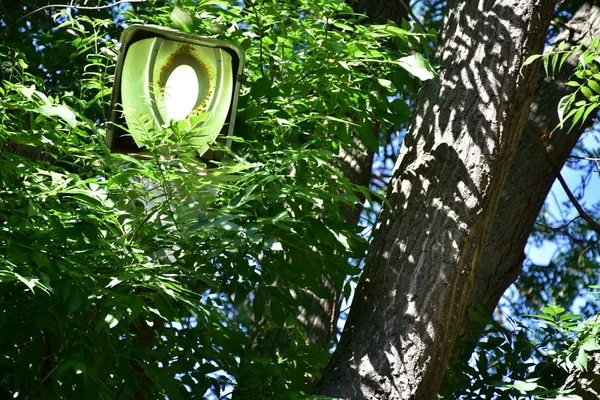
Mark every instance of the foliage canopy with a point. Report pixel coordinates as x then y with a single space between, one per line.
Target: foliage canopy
131 278
124 277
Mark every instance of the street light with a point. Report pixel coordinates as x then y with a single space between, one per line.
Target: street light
164 76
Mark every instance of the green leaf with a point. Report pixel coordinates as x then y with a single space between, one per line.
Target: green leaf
587 92
76 298
590 108
29 282
562 46
136 304
258 306
555 59
563 106
27 91
531 59
114 282
577 116
591 344
386 84
546 318
547 57
553 309
23 64
400 110
418 66
60 111
180 17
525 386
594 85
32 209
563 59
277 312
368 136
164 307
390 30
111 320
581 362
566 317
342 26
261 88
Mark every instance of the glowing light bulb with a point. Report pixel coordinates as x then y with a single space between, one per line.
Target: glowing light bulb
181 92
165 76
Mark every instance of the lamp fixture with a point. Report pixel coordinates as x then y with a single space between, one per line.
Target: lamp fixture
164 76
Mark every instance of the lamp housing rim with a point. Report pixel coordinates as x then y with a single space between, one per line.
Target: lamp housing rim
117 140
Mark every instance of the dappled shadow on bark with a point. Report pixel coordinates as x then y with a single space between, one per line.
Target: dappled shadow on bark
540 155
586 383
446 186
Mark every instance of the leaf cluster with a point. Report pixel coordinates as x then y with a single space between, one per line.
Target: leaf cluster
155 276
576 106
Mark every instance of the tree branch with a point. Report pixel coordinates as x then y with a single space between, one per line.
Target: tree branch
49 6
557 228
593 224
412 15
562 25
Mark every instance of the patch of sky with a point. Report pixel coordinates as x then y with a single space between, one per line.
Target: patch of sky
574 174
583 180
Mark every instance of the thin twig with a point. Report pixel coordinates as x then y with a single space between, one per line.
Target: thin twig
225 395
596 160
51 372
412 15
585 250
593 159
381 176
564 26
70 6
593 224
556 228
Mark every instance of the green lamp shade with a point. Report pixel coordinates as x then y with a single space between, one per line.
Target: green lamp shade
165 76
166 81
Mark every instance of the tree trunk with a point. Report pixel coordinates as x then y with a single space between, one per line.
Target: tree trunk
586 383
540 156
446 187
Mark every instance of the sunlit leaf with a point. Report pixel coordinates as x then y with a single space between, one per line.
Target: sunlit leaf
418 66
111 320
63 112
180 17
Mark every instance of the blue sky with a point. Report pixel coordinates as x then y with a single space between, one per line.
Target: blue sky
557 196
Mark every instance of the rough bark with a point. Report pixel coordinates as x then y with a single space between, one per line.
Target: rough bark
447 185
540 156
586 383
